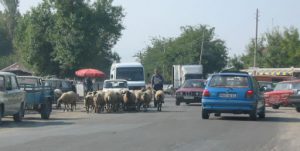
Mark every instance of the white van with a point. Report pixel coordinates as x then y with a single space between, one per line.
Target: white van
132 72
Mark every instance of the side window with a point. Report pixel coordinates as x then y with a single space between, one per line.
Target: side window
8 85
14 84
2 87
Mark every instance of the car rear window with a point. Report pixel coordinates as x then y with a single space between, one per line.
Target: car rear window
283 86
193 84
229 81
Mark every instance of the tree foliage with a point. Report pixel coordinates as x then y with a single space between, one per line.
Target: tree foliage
184 50
275 49
59 37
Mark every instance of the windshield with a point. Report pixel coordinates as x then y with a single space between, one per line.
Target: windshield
130 73
30 81
229 81
283 86
193 84
115 84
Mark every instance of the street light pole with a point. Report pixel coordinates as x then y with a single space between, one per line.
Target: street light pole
201 48
255 50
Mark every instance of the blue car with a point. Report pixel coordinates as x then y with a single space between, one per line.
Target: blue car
233 92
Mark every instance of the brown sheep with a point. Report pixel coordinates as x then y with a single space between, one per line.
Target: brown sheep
159 98
138 102
68 98
129 99
146 99
99 101
89 101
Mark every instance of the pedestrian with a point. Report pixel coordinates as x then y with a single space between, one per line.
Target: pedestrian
89 84
157 82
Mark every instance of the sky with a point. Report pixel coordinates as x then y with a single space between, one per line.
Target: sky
233 20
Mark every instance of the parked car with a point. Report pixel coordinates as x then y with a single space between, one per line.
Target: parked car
12 98
38 96
190 91
233 92
280 95
61 84
117 85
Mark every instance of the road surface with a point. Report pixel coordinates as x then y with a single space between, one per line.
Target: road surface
176 128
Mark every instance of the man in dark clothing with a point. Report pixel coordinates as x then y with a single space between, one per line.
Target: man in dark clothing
89 84
157 82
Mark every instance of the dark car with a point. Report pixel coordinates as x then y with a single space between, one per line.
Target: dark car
190 91
235 92
268 85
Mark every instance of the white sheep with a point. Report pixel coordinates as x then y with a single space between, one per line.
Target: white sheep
68 98
110 99
145 99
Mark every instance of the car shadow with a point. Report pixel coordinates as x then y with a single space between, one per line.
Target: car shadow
196 104
267 119
31 124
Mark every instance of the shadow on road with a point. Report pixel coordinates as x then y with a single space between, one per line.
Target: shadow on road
267 119
31 124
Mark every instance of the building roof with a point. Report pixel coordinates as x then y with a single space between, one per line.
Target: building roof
18 69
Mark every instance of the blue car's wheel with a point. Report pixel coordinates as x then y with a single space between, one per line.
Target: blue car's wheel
205 114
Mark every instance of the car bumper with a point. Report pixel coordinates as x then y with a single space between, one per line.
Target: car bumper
228 106
190 99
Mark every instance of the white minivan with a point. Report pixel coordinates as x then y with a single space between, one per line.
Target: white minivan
132 72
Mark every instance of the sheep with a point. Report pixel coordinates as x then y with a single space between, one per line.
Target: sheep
99 101
159 99
118 101
89 101
68 98
110 99
138 102
57 93
129 99
146 99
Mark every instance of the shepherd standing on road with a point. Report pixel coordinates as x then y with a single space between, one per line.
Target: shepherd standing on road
157 82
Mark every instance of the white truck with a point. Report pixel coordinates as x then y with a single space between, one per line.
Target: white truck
184 72
132 72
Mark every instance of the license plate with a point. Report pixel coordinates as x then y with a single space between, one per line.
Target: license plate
188 97
227 95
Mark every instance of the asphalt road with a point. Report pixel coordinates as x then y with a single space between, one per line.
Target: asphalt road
176 128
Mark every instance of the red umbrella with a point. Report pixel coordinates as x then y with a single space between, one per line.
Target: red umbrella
92 73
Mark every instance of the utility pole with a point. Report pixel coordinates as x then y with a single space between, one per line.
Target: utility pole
255 49
200 62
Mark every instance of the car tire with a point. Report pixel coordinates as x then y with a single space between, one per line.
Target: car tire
177 103
1 112
217 114
18 117
298 109
262 113
187 103
46 110
205 114
275 106
253 115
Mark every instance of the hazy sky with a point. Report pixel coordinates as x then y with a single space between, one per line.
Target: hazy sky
234 20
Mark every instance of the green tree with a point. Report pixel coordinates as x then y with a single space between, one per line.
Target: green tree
185 49
235 63
275 49
67 35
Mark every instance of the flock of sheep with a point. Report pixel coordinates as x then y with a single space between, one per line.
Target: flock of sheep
113 101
